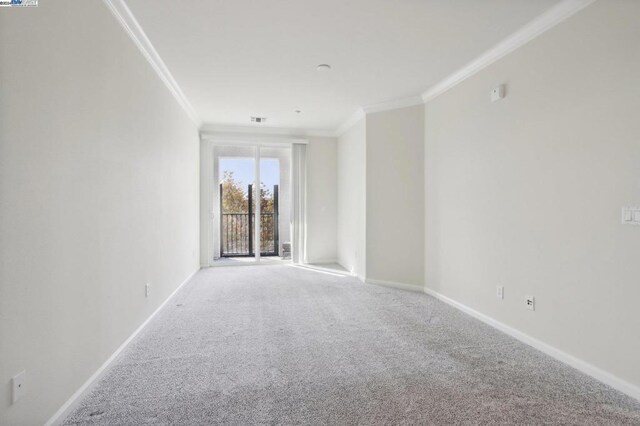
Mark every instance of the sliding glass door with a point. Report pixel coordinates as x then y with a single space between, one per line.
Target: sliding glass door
253 187
236 179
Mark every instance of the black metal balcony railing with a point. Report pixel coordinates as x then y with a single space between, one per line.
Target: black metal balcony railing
235 234
237 230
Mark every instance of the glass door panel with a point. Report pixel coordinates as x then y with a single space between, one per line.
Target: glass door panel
235 174
275 164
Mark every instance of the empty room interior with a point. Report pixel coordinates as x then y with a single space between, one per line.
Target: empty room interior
319 212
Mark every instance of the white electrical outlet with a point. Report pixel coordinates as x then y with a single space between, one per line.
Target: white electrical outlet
531 303
18 386
500 292
147 289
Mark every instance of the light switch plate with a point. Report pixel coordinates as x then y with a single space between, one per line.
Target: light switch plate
631 215
627 215
497 93
18 386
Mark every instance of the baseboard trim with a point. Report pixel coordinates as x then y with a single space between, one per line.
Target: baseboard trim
583 366
317 268
350 270
393 284
316 261
73 402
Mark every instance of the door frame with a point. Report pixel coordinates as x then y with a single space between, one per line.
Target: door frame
209 215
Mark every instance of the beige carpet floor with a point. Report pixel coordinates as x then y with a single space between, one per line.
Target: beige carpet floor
284 345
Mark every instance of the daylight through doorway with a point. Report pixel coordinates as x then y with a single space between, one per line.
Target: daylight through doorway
253 219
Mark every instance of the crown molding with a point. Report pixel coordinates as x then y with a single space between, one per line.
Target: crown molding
394 104
358 115
373 108
213 128
130 24
549 19
246 139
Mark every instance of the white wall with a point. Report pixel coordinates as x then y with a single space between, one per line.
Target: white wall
321 200
527 192
207 204
395 196
351 190
99 190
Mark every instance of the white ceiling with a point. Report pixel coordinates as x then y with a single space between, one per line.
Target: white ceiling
238 58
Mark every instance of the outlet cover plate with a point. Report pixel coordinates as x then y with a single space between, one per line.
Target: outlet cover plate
531 303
